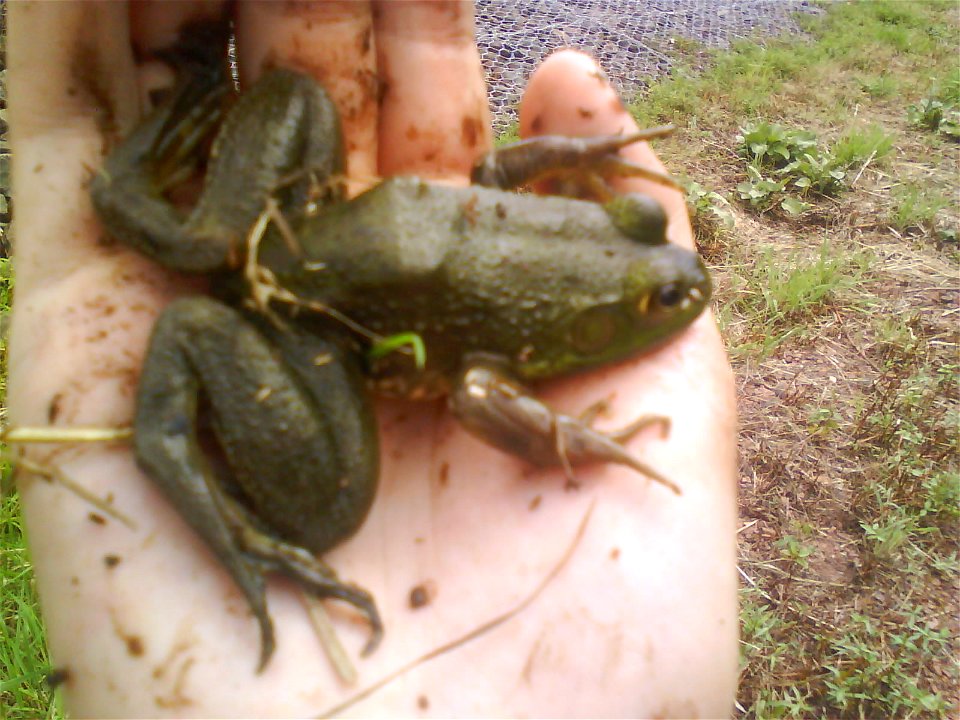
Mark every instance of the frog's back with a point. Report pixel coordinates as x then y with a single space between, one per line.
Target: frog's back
406 233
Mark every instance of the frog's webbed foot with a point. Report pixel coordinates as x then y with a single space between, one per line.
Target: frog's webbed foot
273 555
297 433
577 166
504 414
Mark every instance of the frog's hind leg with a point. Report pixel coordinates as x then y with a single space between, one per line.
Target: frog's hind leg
298 482
281 139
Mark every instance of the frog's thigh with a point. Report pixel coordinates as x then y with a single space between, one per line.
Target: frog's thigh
282 131
294 445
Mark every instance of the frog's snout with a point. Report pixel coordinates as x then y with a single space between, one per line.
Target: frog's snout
692 290
683 288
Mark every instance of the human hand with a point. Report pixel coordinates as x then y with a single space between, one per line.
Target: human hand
640 620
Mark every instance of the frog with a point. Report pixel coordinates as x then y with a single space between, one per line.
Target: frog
254 412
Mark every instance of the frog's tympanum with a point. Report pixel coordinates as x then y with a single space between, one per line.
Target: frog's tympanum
501 288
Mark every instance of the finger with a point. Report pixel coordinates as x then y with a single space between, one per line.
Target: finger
333 43
434 117
83 311
59 108
690 380
569 94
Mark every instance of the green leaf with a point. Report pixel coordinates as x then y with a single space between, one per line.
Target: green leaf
794 206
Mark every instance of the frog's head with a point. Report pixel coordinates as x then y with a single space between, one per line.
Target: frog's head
660 293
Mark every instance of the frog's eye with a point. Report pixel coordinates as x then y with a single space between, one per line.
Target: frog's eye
664 298
593 330
669 295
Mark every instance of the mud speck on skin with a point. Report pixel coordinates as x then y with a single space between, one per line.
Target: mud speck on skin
421 595
111 561
365 38
535 502
176 698
470 131
53 409
134 645
585 113
423 702
443 477
58 676
96 518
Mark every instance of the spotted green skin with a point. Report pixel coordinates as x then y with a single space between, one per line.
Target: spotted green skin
549 285
537 287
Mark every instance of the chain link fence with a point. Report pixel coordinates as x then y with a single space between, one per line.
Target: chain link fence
631 38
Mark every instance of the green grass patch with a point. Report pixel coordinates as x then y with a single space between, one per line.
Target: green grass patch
781 294
880 86
755 79
860 144
916 206
24 662
872 667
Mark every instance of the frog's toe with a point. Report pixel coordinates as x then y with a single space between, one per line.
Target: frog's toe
268 642
615 166
328 586
315 577
574 166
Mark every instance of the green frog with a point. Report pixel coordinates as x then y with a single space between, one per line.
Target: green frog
277 367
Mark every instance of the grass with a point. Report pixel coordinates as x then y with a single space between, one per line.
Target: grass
840 309
24 662
23 653
780 295
916 206
841 320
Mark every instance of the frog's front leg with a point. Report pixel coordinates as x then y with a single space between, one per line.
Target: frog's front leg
281 139
296 430
578 164
502 412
